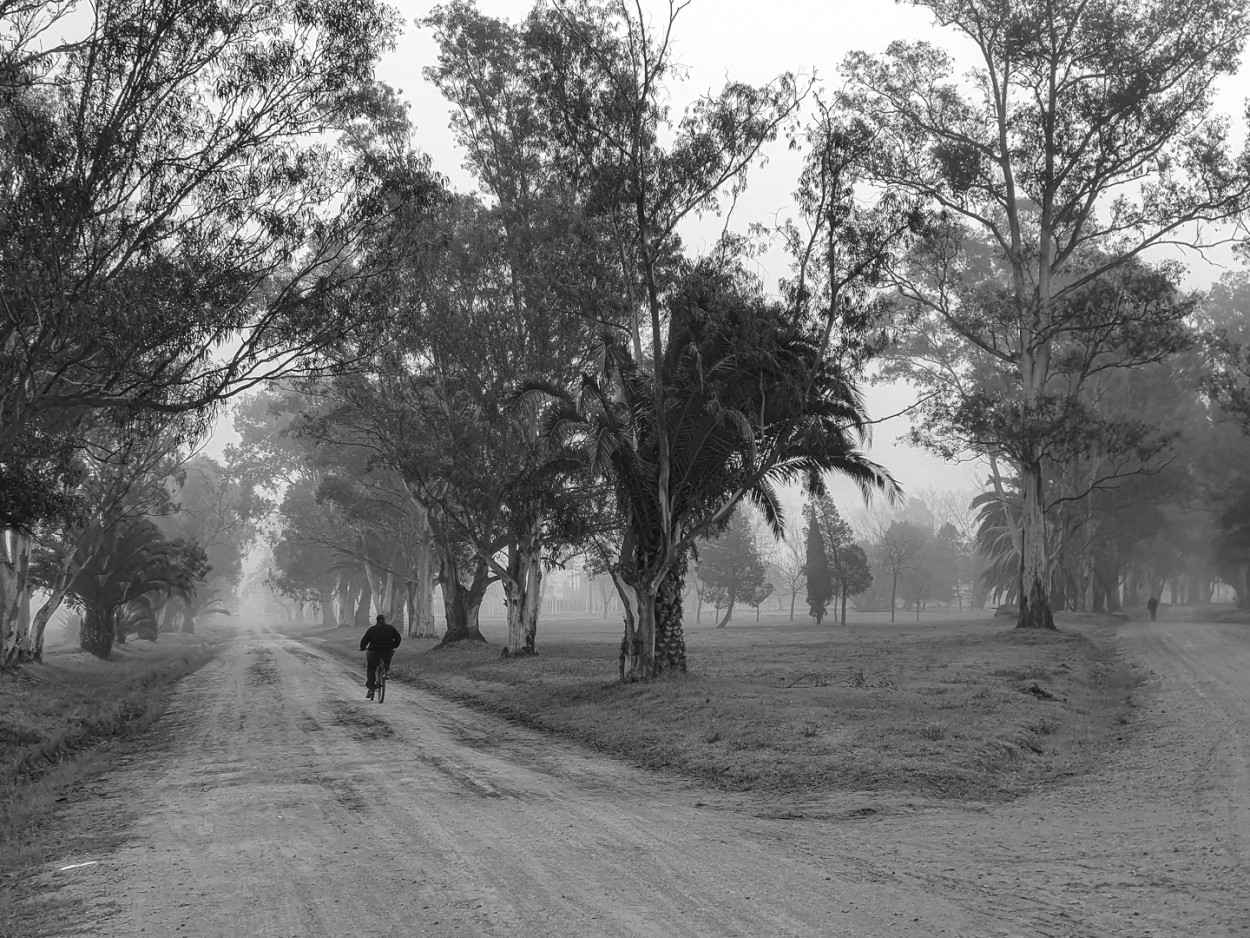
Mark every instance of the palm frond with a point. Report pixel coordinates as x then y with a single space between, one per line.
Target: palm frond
764 497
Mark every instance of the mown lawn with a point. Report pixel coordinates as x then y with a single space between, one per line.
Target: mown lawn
964 709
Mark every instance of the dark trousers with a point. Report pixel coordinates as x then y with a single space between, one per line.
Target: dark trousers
372 657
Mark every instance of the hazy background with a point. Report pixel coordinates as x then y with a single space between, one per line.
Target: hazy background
755 41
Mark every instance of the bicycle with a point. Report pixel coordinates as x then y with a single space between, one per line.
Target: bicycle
383 667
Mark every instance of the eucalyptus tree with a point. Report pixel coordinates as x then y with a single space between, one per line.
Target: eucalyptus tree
218 511
1222 319
171 187
484 307
178 222
345 534
317 549
1083 138
1114 487
391 540
555 251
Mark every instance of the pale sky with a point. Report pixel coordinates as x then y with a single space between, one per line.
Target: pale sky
750 41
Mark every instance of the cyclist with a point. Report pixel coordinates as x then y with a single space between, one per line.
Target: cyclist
379 644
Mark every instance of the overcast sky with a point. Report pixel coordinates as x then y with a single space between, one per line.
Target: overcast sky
750 41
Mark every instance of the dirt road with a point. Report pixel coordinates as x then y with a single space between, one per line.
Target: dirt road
276 801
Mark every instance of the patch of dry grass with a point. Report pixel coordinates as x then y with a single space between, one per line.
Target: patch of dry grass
958 709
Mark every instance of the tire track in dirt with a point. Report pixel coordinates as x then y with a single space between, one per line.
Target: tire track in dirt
1150 844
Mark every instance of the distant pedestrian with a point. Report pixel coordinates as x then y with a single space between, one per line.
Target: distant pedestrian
1153 605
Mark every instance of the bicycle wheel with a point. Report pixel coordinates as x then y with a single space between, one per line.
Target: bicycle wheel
382 669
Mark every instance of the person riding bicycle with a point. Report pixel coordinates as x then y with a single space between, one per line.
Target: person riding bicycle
379 644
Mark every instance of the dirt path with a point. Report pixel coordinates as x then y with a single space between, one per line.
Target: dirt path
283 804
1155 843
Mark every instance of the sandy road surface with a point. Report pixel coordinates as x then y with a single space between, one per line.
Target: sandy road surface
280 803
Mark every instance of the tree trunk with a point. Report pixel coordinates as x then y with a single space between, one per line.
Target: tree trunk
326 593
346 601
40 625
1132 587
426 564
793 597
670 635
514 603
534 601
1102 582
14 597
96 633
396 602
462 603
1035 611
23 634
638 643
893 595
1113 594
844 607
168 613
362 619
523 589
421 598
729 610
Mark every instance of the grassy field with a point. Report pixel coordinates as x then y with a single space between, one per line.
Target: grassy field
950 707
58 718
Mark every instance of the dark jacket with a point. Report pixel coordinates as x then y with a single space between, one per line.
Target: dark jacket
383 635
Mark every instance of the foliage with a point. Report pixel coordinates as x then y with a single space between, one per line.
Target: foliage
901 552
788 569
853 574
1085 139
197 252
680 459
732 569
217 512
747 402
819 579
133 559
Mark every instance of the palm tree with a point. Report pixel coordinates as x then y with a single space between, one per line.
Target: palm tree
136 560
747 400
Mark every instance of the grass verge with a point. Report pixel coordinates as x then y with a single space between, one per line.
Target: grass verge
963 709
57 720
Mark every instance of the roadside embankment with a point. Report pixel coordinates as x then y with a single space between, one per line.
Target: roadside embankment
59 718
